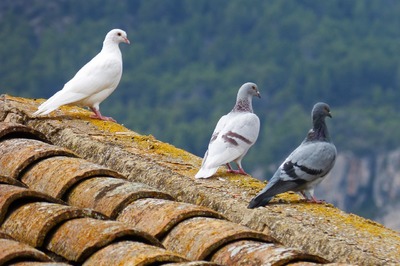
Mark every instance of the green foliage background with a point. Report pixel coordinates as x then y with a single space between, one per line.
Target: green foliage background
188 58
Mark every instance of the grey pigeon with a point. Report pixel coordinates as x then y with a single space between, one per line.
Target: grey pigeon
94 82
234 134
306 166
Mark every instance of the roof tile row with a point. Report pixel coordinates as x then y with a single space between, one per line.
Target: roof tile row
79 212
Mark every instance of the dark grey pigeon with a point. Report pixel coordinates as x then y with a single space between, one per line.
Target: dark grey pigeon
234 134
306 166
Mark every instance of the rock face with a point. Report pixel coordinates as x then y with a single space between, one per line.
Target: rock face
369 186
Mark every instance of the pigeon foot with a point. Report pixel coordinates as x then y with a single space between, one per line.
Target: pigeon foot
97 115
314 200
104 118
240 172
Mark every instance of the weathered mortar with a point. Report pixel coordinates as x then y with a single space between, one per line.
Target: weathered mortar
318 229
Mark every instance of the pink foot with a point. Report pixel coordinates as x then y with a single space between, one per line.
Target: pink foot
97 115
105 118
314 200
240 171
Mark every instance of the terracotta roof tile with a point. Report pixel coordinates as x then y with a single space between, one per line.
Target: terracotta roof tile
15 130
11 251
10 194
169 214
29 263
20 153
77 239
200 237
110 196
32 222
11 181
257 253
192 263
135 253
55 175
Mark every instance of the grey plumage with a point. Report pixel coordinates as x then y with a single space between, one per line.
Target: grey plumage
306 166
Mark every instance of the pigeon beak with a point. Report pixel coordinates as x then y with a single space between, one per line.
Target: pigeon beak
258 94
127 41
329 114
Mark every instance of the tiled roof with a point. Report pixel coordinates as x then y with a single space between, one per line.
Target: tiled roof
93 192
76 211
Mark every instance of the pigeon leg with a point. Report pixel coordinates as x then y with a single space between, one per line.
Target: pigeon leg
315 200
98 115
229 168
239 171
311 199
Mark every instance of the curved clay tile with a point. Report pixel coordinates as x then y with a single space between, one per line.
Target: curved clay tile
305 263
55 175
5 236
11 250
157 216
192 263
110 196
78 239
17 154
253 253
210 235
13 130
11 181
29 263
12 194
132 253
38 219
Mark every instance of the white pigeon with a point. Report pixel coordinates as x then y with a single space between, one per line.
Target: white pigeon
234 134
94 82
306 166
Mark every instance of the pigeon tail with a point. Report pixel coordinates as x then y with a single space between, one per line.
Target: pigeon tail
44 110
206 172
274 187
260 200
264 196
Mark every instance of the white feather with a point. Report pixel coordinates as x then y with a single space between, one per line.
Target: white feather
95 81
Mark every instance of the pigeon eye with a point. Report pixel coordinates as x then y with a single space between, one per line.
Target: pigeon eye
119 33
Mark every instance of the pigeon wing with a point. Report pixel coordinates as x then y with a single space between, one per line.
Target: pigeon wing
309 161
234 140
